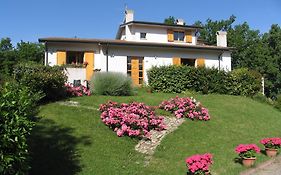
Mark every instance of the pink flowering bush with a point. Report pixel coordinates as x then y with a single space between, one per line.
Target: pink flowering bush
199 164
186 107
77 91
247 150
133 119
272 143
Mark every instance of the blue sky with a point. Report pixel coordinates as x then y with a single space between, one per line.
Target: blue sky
29 20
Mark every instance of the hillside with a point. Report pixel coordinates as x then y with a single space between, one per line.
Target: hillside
73 140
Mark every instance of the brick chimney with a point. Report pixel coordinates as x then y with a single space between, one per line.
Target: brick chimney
221 38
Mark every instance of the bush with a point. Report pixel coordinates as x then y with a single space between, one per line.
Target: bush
277 103
39 78
76 91
17 107
177 79
111 83
133 119
186 107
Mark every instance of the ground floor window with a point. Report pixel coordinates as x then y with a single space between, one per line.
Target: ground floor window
74 57
188 62
135 69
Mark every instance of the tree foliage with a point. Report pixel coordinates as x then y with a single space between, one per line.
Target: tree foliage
23 52
170 20
260 52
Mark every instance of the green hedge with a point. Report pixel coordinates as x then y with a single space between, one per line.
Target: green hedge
39 78
17 107
177 79
111 83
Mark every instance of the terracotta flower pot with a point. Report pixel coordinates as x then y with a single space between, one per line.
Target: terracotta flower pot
271 152
248 162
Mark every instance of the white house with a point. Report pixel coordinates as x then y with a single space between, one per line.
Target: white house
137 47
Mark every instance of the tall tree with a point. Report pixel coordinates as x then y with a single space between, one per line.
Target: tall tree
208 33
170 20
27 51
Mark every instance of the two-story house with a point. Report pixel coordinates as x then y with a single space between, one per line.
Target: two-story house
137 47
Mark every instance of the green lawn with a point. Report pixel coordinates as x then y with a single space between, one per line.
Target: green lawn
71 140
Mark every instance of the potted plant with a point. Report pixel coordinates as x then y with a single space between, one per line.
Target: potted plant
199 164
247 153
271 145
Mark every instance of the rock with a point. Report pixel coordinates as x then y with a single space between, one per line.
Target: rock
148 146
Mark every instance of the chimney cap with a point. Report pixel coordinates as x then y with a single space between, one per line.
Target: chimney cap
179 21
221 32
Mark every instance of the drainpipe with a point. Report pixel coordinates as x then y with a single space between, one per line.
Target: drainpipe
219 58
106 52
46 51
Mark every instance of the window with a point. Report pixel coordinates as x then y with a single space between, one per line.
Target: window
188 62
73 57
142 35
178 36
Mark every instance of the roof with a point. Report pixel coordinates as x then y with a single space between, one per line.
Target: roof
132 43
161 24
157 24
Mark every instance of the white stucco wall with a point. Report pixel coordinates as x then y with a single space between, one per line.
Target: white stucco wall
76 74
226 61
158 57
153 34
153 56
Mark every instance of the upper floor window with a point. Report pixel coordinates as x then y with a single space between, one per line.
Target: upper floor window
142 35
178 36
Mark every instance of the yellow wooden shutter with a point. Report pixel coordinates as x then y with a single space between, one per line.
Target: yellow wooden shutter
170 35
176 61
188 36
135 70
89 58
61 57
200 62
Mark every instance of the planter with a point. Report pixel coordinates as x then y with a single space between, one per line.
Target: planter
206 173
271 152
248 162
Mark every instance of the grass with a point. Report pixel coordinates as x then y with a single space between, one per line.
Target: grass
71 140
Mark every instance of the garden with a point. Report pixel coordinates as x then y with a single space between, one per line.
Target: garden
77 130
78 134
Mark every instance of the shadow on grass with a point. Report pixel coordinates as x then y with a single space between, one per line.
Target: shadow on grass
238 160
53 149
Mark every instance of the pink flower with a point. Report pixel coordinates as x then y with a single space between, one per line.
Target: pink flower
119 133
199 163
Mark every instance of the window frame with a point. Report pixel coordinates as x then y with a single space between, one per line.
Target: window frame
176 33
145 34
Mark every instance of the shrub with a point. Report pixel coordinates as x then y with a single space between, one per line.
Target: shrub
133 119
186 107
76 91
39 78
111 83
245 82
17 107
178 79
199 164
277 103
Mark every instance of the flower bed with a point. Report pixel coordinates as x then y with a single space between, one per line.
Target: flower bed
186 107
247 150
199 164
273 143
133 119
77 91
